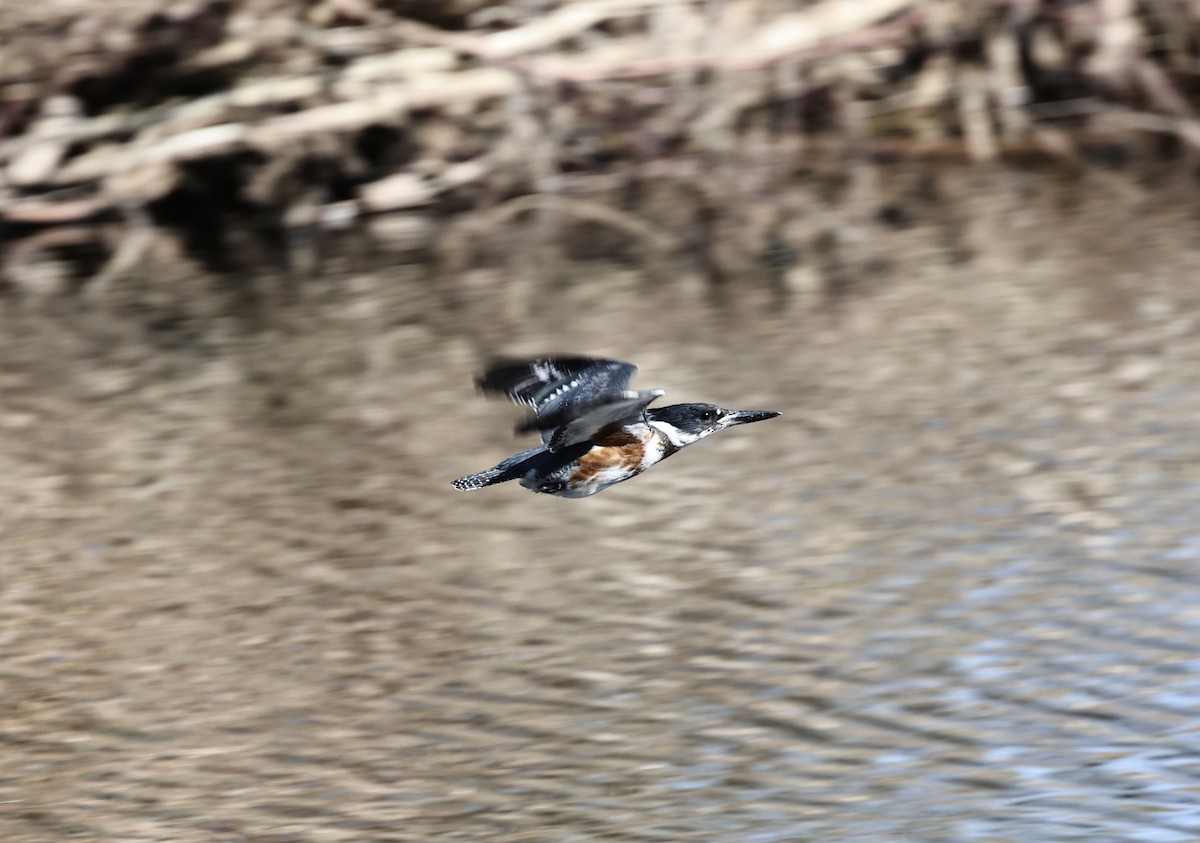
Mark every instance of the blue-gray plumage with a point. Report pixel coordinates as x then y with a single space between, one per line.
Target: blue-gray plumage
595 430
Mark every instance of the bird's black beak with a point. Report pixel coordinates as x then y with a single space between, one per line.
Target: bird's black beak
747 416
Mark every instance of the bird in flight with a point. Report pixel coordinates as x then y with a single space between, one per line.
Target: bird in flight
595 430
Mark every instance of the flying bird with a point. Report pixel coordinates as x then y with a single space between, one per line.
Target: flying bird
595 430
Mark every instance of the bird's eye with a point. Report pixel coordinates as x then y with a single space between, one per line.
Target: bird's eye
708 416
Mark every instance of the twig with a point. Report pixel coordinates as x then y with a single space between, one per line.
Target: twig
585 209
565 22
973 114
139 233
808 36
50 212
1187 129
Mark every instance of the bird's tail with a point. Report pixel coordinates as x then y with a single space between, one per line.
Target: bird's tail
480 480
510 469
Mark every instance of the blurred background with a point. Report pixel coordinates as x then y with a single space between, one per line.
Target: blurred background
255 252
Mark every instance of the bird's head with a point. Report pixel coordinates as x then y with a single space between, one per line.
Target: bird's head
684 424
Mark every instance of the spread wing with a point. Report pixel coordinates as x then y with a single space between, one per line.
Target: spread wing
571 397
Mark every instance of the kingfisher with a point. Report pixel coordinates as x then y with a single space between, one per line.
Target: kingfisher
595 430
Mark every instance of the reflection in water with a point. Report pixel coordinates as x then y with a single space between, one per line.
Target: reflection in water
949 596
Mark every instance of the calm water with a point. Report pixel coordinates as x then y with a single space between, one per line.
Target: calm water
949 596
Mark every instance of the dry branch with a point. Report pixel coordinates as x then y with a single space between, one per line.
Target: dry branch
645 75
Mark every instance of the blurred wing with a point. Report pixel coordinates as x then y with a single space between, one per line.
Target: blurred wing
546 383
579 423
571 397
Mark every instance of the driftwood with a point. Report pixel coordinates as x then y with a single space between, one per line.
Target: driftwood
509 110
371 90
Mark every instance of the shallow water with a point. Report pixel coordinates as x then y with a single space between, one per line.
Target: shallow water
949 595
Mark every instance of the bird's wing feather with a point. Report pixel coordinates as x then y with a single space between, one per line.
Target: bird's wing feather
543 383
579 423
571 397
